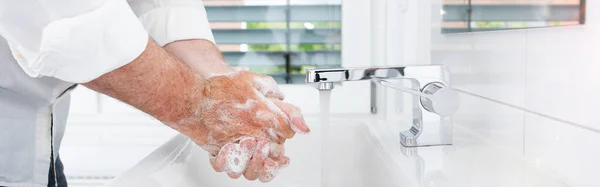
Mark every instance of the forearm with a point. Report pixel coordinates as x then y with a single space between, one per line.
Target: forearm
156 83
202 56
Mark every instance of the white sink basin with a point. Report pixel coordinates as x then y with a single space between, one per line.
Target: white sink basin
366 153
181 163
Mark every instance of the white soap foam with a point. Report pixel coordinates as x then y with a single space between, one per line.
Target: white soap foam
272 106
270 173
226 117
275 149
246 138
229 74
297 114
206 103
237 159
268 117
264 84
267 84
246 106
273 133
295 129
265 115
265 151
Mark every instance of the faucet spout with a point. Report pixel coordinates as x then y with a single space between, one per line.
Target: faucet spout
352 74
326 86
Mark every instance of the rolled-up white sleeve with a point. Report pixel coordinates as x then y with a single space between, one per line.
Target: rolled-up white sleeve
167 21
72 40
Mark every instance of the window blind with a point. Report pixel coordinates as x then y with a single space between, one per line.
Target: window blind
281 40
485 15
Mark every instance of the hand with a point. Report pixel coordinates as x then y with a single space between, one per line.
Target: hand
267 157
268 87
204 58
215 112
258 163
238 124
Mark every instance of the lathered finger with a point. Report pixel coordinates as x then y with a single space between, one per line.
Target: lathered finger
218 162
256 163
237 158
269 171
294 115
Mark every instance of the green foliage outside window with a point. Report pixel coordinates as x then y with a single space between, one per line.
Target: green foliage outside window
294 70
519 25
489 24
280 70
293 25
296 47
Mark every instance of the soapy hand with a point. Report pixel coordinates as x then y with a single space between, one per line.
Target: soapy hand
267 157
243 125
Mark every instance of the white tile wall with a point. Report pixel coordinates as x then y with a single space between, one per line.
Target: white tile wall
494 123
533 91
569 152
562 70
490 64
498 64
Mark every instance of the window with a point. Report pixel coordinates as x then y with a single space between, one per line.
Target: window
489 15
281 38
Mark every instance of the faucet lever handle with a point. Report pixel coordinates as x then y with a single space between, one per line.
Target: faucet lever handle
435 96
400 88
443 100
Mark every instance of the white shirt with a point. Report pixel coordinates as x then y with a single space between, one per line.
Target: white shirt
74 41
80 40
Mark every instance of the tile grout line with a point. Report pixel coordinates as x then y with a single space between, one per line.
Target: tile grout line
525 90
531 112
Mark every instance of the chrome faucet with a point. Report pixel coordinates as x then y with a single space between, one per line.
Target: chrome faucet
429 85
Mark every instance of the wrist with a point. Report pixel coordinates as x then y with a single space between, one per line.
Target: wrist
161 86
202 56
211 69
181 100
156 83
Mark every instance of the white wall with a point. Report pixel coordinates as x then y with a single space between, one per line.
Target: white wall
531 92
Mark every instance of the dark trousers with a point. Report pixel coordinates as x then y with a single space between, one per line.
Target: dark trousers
61 180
